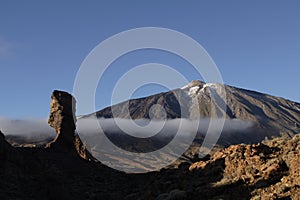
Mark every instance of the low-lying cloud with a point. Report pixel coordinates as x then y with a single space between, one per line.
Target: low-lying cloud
38 129
30 128
134 146
144 128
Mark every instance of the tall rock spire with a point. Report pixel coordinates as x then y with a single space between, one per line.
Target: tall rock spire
62 118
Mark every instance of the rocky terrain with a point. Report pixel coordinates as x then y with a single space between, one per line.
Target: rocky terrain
65 169
268 170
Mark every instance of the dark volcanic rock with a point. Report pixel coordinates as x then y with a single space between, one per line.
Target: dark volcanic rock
4 146
8 153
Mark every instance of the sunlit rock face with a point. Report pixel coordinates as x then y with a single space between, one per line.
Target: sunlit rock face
62 119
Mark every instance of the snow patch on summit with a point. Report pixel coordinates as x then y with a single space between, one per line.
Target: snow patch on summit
214 89
193 91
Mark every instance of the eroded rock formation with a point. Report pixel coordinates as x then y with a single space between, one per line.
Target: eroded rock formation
62 118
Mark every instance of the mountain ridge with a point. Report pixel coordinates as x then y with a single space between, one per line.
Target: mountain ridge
275 115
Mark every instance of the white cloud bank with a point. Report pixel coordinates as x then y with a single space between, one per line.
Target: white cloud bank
30 128
36 129
144 128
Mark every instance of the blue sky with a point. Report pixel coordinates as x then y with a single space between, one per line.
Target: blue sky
256 45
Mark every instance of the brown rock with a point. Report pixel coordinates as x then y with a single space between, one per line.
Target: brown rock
295 168
270 168
62 118
81 149
198 166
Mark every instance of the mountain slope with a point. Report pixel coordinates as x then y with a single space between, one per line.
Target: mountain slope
250 118
272 115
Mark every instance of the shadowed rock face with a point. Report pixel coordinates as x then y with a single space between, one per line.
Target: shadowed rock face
2 145
62 119
6 150
9 156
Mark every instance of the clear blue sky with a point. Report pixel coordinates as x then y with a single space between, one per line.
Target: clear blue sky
255 44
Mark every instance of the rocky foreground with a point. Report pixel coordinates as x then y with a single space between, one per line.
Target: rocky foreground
262 171
65 170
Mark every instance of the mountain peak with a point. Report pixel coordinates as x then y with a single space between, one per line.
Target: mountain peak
193 83
271 116
196 87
